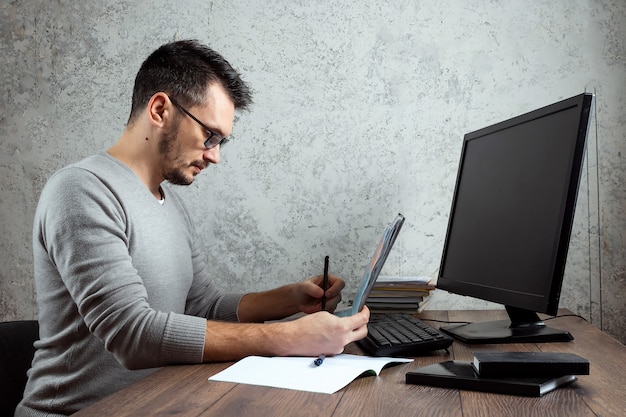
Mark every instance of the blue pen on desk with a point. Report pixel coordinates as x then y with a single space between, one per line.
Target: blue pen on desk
325 283
319 360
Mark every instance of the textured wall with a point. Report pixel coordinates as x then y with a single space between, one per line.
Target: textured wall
360 113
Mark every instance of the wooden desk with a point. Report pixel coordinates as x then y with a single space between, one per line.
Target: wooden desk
185 390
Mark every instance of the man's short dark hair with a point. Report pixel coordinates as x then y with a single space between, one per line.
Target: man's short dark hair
184 69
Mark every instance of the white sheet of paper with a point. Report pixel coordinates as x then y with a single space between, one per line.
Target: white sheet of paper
299 373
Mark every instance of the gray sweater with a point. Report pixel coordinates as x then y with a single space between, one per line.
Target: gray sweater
122 287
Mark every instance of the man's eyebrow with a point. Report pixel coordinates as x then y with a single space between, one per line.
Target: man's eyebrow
208 127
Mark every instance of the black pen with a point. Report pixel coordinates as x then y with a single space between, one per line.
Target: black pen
325 283
319 360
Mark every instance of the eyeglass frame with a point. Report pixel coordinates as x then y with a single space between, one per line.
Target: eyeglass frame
214 138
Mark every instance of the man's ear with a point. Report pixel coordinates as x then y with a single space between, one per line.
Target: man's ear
160 109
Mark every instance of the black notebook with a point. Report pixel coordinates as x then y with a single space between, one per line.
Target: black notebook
462 375
529 364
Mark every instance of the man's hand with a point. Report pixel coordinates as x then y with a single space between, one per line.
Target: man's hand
311 335
308 294
324 333
302 297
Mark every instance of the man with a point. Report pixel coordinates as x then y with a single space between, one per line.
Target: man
121 283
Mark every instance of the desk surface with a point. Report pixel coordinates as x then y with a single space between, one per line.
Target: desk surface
185 390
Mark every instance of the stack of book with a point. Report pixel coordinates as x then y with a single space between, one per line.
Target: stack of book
400 294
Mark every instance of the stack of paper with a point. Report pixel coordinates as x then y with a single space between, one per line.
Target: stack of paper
400 294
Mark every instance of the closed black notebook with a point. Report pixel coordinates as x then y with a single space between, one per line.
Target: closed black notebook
462 375
529 364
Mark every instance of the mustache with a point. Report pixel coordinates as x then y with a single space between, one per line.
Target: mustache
200 164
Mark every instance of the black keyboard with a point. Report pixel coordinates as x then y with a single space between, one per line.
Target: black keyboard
400 334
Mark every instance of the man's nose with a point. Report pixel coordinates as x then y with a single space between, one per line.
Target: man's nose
212 155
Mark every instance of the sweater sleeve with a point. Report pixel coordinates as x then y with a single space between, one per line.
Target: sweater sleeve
84 230
223 307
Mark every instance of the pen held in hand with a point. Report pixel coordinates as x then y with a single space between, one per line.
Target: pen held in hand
325 283
319 360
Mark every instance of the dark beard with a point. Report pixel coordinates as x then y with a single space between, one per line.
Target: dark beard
169 151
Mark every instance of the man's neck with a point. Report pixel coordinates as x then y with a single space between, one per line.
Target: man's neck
136 154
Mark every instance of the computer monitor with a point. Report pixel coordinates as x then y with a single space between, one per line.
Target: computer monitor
511 219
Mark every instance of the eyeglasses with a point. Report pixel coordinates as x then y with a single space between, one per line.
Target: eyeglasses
213 139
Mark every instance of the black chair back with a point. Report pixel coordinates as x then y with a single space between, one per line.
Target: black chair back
16 356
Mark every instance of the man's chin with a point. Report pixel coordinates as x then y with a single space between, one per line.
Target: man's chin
181 180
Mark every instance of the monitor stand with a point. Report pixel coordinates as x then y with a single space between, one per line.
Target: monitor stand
524 326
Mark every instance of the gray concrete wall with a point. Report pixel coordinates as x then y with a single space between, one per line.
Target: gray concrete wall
360 112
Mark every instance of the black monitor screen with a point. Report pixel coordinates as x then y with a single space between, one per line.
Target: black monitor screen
513 208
